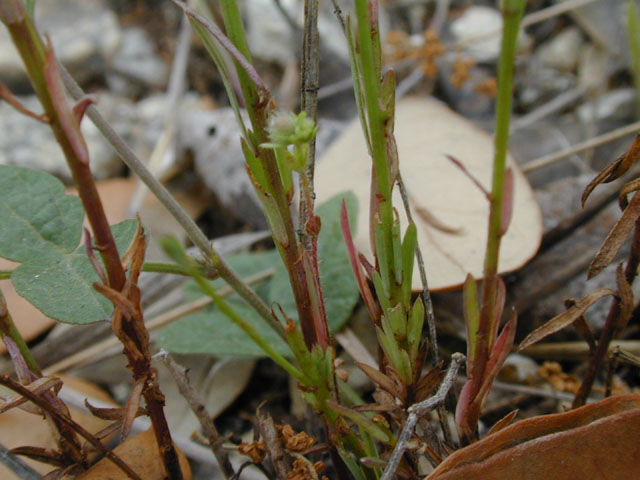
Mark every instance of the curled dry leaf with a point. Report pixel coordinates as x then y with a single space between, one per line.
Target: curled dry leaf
426 132
141 453
596 442
503 422
615 170
632 186
616 237
565 319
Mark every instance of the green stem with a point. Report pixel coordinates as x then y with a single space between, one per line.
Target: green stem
5 274
372 93
512 13
8 329
251 332
633 32
160 267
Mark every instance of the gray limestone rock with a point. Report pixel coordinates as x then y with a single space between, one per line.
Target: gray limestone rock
29 143
85 35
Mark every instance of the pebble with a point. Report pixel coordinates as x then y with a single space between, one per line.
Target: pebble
605 22
614 105
29 143
85 35
136 62
538 83
562 50
479 29
595 66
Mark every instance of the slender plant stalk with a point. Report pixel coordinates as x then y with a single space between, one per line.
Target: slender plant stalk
305 282
309 104
8 329
483 339
41 68
633 33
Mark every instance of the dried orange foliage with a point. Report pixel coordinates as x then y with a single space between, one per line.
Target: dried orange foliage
399 48
305 470
595 442
561 381
297 442
256 451
460 71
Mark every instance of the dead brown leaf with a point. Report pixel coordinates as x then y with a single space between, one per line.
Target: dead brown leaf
595 442
616 237
615 170
503 422
565 319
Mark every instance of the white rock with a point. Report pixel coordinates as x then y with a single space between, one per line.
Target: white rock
595 64
562 51
137 59
479 29
28 143
85 35
615 104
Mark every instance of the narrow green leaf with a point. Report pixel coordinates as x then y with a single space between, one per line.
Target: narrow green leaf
408 254
414 328
396 248
361 421
383 252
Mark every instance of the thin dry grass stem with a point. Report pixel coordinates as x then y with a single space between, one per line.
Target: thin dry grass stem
46 406
163 154
581 147
269 433
179 374
309 103
419 409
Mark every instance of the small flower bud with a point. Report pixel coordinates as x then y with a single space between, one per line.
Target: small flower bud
287 128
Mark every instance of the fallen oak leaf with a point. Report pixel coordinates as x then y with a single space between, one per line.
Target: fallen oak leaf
565 319
597 441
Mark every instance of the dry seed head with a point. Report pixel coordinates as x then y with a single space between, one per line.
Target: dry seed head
300 442
256 451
